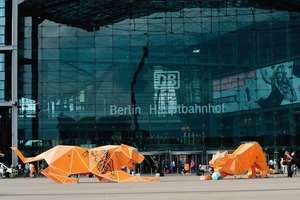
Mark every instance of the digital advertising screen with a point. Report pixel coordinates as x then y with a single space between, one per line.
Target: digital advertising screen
270 86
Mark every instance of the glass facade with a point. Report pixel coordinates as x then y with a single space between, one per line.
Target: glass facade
196 78
2 55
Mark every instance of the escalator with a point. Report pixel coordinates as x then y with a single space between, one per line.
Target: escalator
151 159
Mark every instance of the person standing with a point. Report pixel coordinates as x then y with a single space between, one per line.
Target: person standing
19 169
283 165
288 160
156 167
26 170
193 164
32 170
173 165
271 163
186 168
293 162
275 165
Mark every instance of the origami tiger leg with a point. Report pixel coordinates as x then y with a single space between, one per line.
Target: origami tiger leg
251 172
58 176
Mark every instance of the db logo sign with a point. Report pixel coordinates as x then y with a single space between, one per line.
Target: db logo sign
166 79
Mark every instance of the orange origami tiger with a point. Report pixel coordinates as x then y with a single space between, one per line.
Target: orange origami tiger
105 162
247 157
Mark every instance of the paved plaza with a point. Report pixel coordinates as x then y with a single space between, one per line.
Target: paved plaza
171 187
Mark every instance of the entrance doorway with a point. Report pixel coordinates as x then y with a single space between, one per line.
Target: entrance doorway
182 157
164 160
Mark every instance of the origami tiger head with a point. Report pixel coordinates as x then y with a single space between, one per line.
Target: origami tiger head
219 159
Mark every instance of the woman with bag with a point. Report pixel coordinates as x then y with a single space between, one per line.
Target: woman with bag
288 159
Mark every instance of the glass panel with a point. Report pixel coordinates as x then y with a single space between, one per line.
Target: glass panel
197 78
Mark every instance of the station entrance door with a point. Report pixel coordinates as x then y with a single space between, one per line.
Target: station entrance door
182 157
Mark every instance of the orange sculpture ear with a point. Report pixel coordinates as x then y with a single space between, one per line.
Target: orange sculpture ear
216 155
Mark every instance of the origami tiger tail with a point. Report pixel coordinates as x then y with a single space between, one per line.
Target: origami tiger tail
25 160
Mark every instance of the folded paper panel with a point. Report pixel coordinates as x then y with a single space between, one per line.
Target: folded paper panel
105 162
247 158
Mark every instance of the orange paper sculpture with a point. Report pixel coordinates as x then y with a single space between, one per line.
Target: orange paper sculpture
247 157
105 162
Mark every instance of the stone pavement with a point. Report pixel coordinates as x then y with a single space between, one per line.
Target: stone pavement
171 187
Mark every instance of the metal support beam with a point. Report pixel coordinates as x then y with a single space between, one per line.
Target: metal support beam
14 83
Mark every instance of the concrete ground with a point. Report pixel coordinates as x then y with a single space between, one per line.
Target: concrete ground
171 187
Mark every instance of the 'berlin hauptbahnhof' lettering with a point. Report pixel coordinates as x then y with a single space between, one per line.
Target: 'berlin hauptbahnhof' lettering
179 109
